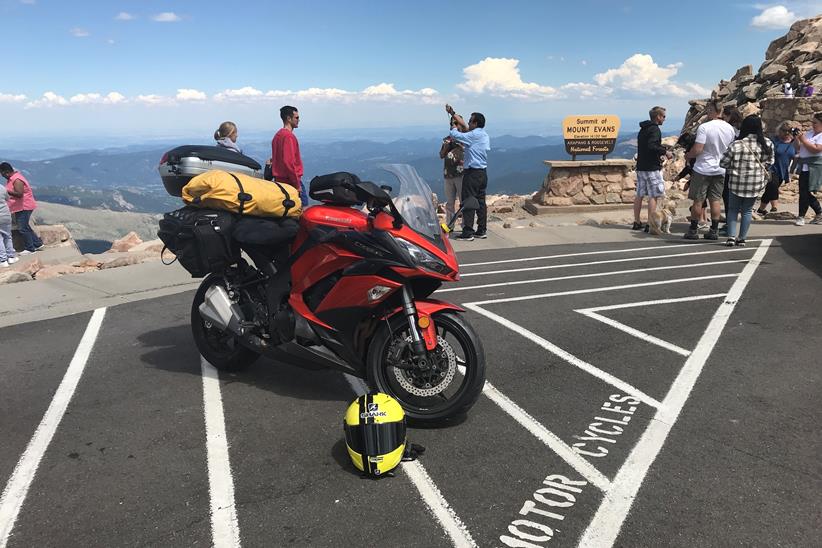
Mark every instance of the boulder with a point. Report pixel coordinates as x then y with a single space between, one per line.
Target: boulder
613 198
580 199
750 92
53 235
557 201
588 190
598 199
747 70
125 243
126 260
12 277
566 186
151 246
29 267
773 72
53 271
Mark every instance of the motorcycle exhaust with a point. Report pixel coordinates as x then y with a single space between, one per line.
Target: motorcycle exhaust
218 309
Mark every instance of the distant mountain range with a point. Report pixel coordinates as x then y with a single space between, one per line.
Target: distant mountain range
126 179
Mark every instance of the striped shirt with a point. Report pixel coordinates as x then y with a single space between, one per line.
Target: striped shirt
743 162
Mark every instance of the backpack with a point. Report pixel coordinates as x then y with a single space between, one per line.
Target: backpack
200 239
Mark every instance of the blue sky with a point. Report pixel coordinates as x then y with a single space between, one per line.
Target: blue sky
160 68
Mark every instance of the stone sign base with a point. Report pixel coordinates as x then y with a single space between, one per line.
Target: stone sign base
587 182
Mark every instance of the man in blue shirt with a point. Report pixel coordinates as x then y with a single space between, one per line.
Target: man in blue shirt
475 141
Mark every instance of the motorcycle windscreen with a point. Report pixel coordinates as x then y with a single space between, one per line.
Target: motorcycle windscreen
375 439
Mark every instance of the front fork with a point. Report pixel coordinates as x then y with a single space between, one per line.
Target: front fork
423 332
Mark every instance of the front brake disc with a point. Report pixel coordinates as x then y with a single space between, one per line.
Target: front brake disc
447 360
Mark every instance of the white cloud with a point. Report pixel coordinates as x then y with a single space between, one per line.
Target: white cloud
774 17
153 99
584 62
12 98
190 95
112 98
78 32
167 17
501 77
585 90
49 99
639 74
124 16
378 92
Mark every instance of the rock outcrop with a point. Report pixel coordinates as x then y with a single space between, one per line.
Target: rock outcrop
794 57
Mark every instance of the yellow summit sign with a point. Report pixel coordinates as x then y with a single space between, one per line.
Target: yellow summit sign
590 133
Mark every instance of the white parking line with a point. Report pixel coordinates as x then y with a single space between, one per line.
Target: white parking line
430 493
225 530
584 253
647 337
607 522
600 289
16 489
598 263
563 450
568 357
593 275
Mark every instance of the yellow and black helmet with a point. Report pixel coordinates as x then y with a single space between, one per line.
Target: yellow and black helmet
375 433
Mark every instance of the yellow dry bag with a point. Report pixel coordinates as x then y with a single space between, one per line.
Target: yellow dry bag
243 194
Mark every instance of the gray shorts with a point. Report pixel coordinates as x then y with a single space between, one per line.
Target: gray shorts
706 186
650 183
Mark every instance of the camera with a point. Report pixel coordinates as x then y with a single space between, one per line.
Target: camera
795 131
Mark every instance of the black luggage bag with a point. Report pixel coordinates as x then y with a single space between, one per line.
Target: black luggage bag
200 239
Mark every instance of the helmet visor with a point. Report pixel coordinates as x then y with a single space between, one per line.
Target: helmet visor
375 439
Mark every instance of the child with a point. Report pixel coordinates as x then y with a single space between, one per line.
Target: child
7 255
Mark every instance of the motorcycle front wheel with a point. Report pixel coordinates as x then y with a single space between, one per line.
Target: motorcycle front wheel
220 348
445 384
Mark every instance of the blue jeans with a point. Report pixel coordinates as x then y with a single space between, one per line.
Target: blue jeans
737 205
6 246
30 239
303 195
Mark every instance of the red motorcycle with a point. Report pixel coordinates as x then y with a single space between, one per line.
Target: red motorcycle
352 293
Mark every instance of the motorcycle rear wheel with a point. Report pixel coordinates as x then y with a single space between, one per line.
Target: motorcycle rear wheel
447 390
220 348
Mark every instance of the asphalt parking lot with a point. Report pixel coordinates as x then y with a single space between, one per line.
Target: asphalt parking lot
639 394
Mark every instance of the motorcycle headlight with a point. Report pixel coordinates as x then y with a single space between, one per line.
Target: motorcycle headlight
423 258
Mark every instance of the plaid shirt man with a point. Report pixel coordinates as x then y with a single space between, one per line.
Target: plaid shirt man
746 164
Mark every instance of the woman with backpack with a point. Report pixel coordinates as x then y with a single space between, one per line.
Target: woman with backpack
747 164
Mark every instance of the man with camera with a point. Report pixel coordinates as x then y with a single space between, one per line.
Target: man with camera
476 144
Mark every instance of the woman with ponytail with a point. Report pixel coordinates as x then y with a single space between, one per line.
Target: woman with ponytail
226 136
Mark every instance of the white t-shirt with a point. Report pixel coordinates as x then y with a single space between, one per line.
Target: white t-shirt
804 152
716 136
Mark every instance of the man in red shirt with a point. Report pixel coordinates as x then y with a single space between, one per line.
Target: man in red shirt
286 163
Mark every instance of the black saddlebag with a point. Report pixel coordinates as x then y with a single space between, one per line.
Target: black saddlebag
335 189
200 239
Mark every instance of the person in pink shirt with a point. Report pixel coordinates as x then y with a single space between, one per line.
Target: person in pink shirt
21 204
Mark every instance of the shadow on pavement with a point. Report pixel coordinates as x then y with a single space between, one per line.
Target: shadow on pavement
806 249
172 349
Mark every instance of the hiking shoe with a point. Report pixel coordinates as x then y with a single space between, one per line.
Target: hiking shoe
703 224
691 235
4 264
711 235
12 260
40 247
480 235
730 242
25 252
817 220
762 212
465 237
636 226
800 221
740 243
